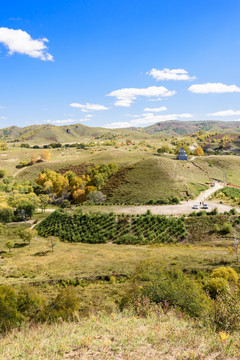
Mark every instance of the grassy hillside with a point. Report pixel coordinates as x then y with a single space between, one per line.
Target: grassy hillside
120 336
44 134
142 175
184 128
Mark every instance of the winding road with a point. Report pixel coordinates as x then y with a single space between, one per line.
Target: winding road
184 208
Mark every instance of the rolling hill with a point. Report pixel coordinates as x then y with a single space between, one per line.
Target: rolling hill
44 134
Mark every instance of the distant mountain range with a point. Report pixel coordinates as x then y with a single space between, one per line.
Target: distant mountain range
45 134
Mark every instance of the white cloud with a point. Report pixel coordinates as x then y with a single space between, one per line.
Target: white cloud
3 118
88 107
213 88
225 113
2 107
21 42
162 108
147 119
65 121
170 74
126 96
157 99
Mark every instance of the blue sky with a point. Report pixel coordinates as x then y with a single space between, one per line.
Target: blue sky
119 63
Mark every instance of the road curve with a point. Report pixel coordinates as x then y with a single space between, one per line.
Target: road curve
184 208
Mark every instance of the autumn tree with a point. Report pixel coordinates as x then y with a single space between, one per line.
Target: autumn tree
46 155
53 183
199 151
186 148
35 158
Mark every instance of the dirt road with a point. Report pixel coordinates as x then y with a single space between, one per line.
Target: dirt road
184 208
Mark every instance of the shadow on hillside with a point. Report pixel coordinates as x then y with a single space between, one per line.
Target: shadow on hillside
41 253
20 245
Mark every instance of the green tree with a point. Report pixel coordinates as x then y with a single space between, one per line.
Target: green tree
9 245
6 214
27 235
44 201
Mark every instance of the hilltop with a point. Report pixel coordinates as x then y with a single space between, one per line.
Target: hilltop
47 133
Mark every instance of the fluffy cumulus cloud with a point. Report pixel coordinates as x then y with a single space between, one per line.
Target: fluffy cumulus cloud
170 74
147 119
225 113
19 41
213 88
88 107
159 109
125 97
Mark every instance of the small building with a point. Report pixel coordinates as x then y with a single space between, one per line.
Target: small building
182 154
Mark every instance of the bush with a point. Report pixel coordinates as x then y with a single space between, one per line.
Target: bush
9 314
226 229
6 214
2 173
226 273
216 286
170 288
65 305
227 311
30 303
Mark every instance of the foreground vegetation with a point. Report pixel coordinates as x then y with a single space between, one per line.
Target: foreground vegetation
121 336
122 286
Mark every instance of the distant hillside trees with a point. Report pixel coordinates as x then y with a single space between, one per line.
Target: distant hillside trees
76 188
164 149
3 147
186 148
199 151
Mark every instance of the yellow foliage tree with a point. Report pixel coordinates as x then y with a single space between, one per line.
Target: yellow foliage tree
34 158
46 155
199 151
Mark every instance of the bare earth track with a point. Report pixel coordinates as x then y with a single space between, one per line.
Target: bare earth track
184 208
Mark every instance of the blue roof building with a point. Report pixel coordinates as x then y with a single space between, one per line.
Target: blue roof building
182 154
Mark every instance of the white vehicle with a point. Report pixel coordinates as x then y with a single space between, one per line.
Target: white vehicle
205 206
195 207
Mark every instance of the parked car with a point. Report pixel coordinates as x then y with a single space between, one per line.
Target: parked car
205 206
195 207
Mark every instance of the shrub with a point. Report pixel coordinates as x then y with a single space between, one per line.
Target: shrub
65 305
233 212
216 286
227 311
9 314
29 302
226 228
226 273
2 173
172 287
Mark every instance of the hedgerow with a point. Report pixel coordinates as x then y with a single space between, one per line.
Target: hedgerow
120 229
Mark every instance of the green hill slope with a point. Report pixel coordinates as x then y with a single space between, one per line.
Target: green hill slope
43 134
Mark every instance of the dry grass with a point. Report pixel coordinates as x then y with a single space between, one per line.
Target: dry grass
119 337
36 263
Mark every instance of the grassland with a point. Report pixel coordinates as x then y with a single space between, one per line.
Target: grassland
118 337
